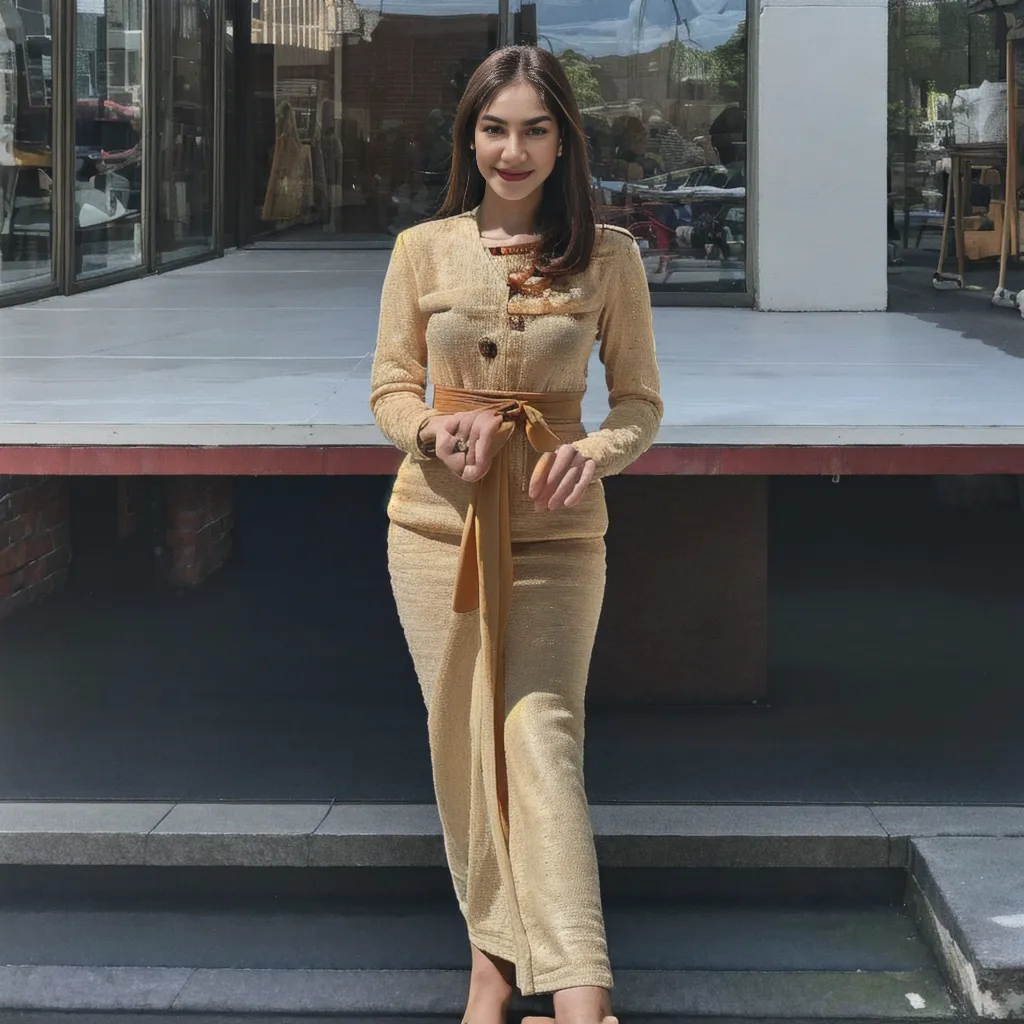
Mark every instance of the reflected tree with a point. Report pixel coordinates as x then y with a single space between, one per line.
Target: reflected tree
581 77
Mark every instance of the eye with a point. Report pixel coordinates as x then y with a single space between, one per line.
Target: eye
538 130
492 129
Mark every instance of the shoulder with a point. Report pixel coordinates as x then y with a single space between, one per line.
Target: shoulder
614 243
423 238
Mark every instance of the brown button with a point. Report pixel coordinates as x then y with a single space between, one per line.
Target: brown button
487 348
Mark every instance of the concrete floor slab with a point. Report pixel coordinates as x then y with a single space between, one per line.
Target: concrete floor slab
287 328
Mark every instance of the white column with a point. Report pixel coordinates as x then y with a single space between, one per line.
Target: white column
818 177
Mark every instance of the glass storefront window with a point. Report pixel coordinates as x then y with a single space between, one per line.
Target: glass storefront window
937 47
108 136
351 108
26 144
662 85
185 128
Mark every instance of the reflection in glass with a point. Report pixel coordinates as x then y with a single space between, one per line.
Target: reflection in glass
662 85
26 154
936 47
185 127
352 108
108 136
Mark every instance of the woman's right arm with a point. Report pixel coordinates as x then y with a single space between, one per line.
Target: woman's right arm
398 382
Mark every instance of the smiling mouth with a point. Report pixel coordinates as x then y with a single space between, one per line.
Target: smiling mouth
513 175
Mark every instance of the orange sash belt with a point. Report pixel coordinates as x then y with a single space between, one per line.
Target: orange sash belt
484 575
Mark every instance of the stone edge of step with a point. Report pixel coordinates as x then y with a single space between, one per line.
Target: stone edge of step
325 835
957 888
802 995
234 834
409 835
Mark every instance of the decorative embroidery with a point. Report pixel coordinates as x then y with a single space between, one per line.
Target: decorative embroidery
512 250
533 294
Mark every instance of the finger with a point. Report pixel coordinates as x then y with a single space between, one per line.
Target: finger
565 487
564 457
488 423
538 478
470 432
450 424
589 469
444 443
475 465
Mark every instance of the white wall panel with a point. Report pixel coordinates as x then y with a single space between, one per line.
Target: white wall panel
819 176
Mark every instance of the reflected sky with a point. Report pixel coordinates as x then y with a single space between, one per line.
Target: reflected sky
600 28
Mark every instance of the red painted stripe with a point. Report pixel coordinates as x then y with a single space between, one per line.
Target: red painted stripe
663 460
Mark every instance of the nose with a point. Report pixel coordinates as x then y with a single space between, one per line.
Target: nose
514 152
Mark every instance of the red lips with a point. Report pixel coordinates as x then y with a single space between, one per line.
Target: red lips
513 175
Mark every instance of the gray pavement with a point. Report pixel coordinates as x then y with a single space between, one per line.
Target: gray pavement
274 348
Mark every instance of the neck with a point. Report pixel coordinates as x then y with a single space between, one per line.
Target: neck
508 217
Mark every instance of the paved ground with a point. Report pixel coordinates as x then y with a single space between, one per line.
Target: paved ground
275 348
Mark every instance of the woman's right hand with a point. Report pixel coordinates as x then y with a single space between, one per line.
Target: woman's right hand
473 431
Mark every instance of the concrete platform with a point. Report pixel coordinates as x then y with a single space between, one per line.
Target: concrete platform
262 359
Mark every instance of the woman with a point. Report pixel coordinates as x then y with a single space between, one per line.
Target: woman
496 543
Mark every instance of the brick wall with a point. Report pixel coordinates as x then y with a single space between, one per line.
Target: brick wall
35 538
200 521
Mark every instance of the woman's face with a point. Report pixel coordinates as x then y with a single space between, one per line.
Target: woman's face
516 142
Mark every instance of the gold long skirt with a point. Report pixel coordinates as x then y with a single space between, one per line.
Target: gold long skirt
549 921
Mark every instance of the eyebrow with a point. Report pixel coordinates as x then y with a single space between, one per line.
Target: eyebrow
529 123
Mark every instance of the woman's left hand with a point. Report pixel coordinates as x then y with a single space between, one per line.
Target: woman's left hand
560 479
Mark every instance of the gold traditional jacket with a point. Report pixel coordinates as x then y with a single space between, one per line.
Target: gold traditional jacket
448 309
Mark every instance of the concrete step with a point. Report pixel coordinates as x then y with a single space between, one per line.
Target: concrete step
961 870
378 956
409 835
967 895
680 995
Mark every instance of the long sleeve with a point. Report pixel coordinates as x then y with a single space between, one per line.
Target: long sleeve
631 370
398 383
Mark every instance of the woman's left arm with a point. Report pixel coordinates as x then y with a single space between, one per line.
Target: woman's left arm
631 368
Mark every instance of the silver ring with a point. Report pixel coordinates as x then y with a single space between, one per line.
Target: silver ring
461 445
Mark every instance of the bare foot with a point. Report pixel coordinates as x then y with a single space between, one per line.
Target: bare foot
584 1005
490 989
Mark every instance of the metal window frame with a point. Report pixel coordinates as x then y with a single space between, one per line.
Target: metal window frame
218 13
753 138
150 186
64 15
151 189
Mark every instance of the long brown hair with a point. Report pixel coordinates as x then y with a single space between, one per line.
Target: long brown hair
567 207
